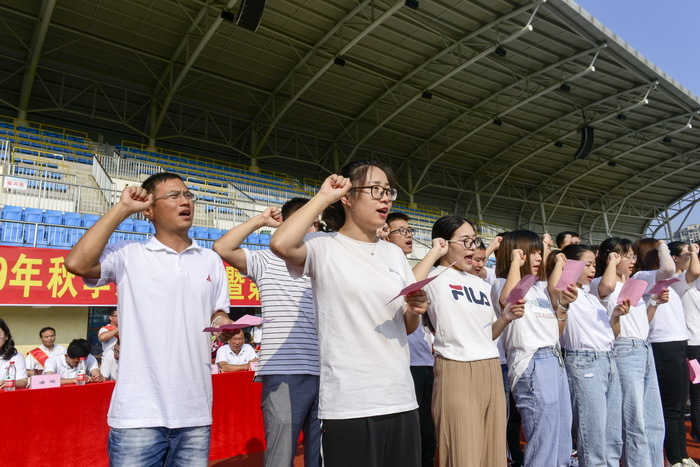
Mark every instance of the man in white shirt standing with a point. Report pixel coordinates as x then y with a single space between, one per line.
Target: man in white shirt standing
169 289
36 358
109 333
110 363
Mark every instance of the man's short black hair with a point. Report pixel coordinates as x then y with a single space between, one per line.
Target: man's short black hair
78 348
562 236
154 180
292 206
397 216
47 328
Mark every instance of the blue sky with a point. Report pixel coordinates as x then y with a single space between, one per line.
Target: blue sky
664 31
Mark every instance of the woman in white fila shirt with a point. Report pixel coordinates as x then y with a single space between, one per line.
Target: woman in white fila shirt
469 431
367 401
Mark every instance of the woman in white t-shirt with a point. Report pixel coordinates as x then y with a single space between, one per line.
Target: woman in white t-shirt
535 364
587 341
669 341
685 257
8 354
642 415
469 431
367 401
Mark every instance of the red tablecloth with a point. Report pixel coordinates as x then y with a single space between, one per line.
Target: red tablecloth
68 425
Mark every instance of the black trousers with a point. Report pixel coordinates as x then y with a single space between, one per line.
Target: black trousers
380 441
672 372
423 378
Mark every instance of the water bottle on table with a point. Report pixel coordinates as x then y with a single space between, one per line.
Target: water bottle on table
11 377
81 379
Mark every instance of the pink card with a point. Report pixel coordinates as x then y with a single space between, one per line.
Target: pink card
570 274
693 370
419 285
244 321
521 289
661 285
632 290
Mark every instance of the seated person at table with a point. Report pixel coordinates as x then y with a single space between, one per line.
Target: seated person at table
67 366
110 363
237 355
37 357
8 354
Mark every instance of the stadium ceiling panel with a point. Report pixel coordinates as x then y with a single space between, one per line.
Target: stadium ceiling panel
479 106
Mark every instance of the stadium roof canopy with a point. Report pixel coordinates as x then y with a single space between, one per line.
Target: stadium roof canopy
477 105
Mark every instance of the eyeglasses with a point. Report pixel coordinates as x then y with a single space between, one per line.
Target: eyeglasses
378 192
175 195
467 242
632 258
404 232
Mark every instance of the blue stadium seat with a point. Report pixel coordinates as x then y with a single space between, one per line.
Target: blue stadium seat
11 213
127 225
142 226
89 220
12 234
33 215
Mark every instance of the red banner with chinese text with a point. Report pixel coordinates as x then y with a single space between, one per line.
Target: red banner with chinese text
37 276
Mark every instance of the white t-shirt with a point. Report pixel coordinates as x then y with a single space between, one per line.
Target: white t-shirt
289 342
537 329
690 297
110 366
165 299
109 343
490 276
668 324
461 312
33 364
633 325
60 366
20 367
588 325
363 346
226 354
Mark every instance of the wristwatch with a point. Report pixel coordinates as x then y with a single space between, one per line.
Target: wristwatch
653 302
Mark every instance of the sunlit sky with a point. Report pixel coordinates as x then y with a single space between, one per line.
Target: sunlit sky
665 33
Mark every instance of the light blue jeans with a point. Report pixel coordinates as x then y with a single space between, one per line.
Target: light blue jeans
290 404
159 446
542 397
596 399
642 414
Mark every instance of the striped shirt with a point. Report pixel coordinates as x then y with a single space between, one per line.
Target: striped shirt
289 342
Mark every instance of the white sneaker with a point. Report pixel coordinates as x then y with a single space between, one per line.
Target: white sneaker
689 462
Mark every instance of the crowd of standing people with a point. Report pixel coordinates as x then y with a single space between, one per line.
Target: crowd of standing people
438 374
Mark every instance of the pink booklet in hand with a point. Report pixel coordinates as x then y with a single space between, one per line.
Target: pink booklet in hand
521 289
244 321
632 290
661 285
570 274
419 285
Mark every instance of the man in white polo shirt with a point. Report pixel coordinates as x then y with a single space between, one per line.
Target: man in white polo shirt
237 355
67 365
288 363
36 358
169 289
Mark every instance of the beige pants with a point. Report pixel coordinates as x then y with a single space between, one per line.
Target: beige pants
470 413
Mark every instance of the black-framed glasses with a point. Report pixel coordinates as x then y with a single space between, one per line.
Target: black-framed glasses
378 191
175 195
403 231
468 242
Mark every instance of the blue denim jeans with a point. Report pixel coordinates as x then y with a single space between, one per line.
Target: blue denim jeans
596 399
159 446
290 405
642 415
542 398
